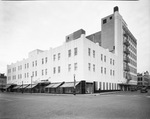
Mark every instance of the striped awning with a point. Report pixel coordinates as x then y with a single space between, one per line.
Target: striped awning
24 86
31 86
69 84
16 87
7 86
53 85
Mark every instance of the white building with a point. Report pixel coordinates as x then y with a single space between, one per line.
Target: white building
107 58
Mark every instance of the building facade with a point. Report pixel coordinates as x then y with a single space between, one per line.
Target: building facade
106 58
3 82
143 79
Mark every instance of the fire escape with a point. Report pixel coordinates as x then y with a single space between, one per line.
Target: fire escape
126 57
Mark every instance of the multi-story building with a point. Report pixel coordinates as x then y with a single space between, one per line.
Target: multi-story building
107 58
2 81
143 79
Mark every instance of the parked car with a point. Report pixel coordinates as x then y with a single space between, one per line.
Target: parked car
134 89
144 90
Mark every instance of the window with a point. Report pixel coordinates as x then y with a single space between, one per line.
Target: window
45 59
42 72
110 61
101 57
105 70
93 53
75 66
89 66
104 21
101 69
35 73
27 65
110 17
58 69
25 75
69 53
54 57
69 67
36 63
89 51
75 51
110 72
104 58
94 67
42 61
45 71
113 73
113 62
32 64
58 56
9 70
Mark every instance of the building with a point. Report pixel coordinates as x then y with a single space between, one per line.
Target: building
107 58
143 79
3 83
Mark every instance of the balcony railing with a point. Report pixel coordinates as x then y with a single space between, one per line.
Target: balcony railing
128 77
126 68
126 50
126 59
126 42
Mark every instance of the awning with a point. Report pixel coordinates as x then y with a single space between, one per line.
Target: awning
17 87
31 86
7 86
69 84
24 86
53 85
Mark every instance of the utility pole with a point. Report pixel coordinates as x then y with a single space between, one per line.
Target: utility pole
22 86
31 84
74 85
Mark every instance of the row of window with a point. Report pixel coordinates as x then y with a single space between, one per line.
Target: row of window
103 57
34 63
132 41
26 65
103 70
108 86
89 67
45 60
132 49
89 52
133 56
54 70
105 20
75 52
54 57
133 62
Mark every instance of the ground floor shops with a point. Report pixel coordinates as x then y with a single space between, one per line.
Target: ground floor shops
77 87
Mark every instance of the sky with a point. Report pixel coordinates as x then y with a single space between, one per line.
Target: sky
30 25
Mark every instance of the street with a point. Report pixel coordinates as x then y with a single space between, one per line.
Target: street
121 105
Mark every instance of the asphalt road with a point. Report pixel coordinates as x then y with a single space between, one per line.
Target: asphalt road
120 105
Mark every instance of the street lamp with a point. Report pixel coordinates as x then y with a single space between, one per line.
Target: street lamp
74 85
